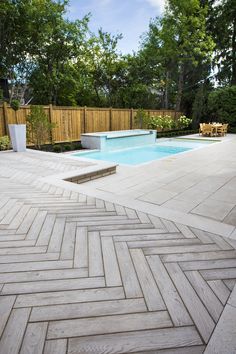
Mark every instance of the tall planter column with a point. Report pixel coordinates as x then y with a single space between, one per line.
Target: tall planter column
18 137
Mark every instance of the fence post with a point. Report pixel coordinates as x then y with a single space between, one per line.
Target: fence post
51 121
85 115
5 118
110 120
131 118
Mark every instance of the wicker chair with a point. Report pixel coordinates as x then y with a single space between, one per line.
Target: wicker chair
221 131
200 128
225 127
207 129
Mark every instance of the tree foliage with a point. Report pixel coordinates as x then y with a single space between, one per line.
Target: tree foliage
180 43
222 25
222 105
47 58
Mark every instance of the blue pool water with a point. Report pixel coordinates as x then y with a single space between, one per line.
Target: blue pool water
147 153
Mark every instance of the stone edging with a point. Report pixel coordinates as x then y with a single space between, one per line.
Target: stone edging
88 176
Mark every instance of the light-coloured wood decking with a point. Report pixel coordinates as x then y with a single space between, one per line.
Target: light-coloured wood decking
82 275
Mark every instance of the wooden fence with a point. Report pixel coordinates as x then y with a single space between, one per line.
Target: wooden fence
71 122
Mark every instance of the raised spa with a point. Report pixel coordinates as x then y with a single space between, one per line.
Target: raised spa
118 139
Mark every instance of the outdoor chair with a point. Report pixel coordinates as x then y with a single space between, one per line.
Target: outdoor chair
220 131
200 128
225 128
207 129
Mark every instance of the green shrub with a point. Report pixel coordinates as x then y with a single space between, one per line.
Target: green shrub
170 134
15 104
57 148
38 126
183 122
160 122
76 146
4 143
141 118
222 105
67 147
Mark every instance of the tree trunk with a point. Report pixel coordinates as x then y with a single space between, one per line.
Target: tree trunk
5 88
54 96
180 88
166 94
97 95
49 74
233 78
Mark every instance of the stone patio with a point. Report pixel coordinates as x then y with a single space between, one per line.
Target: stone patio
99 268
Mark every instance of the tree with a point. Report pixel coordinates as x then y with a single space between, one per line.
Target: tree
137 83
38 126
61 43
23 26
222 104
180 43
61 62
101 67
159 48
9 55
222 25
37 44
12 41
193 43
199 105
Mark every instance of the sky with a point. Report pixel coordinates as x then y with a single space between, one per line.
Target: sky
129 17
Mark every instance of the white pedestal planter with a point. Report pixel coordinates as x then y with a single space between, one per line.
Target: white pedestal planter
18 136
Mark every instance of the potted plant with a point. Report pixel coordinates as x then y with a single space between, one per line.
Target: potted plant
17 131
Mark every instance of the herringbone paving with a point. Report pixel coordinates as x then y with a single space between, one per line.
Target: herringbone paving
81 275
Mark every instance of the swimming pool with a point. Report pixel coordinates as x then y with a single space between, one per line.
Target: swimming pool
143 154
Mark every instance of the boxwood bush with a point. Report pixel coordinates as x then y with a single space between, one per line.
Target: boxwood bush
172 133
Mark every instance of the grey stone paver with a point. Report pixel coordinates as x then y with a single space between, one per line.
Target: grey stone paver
158 196
180 205
79 274
214 209
232 299
231 217
223 339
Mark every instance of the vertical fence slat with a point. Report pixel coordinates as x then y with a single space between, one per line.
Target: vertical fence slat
110 119
84 121
131 118
5 119
50 117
